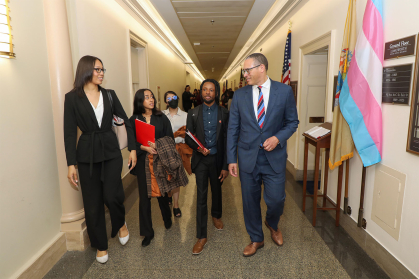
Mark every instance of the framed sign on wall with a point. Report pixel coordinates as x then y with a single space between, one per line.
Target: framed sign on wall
413 132
396 84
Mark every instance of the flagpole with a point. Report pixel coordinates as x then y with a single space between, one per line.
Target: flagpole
345 201
361 203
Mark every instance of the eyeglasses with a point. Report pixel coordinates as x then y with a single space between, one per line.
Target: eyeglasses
98 70
171 98
247 71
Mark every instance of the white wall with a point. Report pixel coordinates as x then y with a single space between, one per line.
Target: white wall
312 19
30 205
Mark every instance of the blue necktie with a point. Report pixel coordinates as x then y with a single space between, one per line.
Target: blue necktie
261 108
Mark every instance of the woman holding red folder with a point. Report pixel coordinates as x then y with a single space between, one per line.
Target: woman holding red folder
97 153
145 110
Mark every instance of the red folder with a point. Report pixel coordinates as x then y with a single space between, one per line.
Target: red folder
195 139
144 132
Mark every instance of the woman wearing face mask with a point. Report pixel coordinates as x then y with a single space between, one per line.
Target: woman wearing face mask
177 118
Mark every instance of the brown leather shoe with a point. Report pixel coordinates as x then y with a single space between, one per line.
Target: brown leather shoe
199 246
218 224
276 235
251 249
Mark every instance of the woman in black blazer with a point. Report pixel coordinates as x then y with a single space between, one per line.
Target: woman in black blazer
97 155
146 111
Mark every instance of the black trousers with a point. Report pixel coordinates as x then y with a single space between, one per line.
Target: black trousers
146 224
205 169
96 193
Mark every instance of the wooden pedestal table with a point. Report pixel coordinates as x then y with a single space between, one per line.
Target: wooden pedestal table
323 142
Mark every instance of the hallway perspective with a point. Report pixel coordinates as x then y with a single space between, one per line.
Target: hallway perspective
304 253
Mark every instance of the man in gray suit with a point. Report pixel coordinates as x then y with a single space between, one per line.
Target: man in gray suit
263 116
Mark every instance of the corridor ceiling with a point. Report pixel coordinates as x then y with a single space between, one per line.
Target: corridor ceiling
221 27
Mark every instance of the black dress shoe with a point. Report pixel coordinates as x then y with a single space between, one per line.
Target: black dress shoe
147 240
168 225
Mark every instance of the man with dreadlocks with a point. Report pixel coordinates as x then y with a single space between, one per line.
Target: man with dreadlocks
208 123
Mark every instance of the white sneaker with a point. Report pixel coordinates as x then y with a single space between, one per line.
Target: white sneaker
102 259
124 240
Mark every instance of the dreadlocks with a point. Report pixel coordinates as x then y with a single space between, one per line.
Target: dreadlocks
217 89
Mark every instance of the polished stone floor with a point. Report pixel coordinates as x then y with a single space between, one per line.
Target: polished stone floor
323 251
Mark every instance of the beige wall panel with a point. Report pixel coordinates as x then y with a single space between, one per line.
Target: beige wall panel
30 195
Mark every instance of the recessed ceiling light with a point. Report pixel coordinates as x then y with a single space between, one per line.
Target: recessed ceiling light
196 44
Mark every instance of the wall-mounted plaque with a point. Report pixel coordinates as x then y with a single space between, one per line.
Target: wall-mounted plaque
294 86
413 134
399 48
396 84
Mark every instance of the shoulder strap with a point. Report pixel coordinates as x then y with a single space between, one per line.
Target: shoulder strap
110 99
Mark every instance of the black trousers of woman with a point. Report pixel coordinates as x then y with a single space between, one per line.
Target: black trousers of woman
146 224
96 193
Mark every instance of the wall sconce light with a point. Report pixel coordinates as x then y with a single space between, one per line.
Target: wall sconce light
6 45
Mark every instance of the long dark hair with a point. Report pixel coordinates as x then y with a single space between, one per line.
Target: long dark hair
139 100
217 89
84 72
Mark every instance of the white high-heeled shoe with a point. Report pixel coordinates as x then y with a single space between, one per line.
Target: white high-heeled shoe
102 259
124 240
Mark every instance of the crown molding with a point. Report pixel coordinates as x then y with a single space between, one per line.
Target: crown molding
277 14
142 10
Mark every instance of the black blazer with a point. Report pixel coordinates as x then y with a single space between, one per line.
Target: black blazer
162 128
186 100
197 129
95 144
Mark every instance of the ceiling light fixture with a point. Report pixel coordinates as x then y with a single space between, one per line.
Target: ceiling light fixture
212 22
6 45
196 44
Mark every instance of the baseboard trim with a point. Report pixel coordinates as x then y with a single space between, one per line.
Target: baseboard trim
372 247
299 174
44 260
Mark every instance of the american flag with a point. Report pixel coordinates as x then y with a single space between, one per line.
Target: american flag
286 70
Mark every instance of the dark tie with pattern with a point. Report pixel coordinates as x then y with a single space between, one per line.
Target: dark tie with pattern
261 108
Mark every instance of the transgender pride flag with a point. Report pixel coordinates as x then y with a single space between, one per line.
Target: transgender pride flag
360 98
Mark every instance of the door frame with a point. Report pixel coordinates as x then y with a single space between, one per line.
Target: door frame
137 42
326 40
